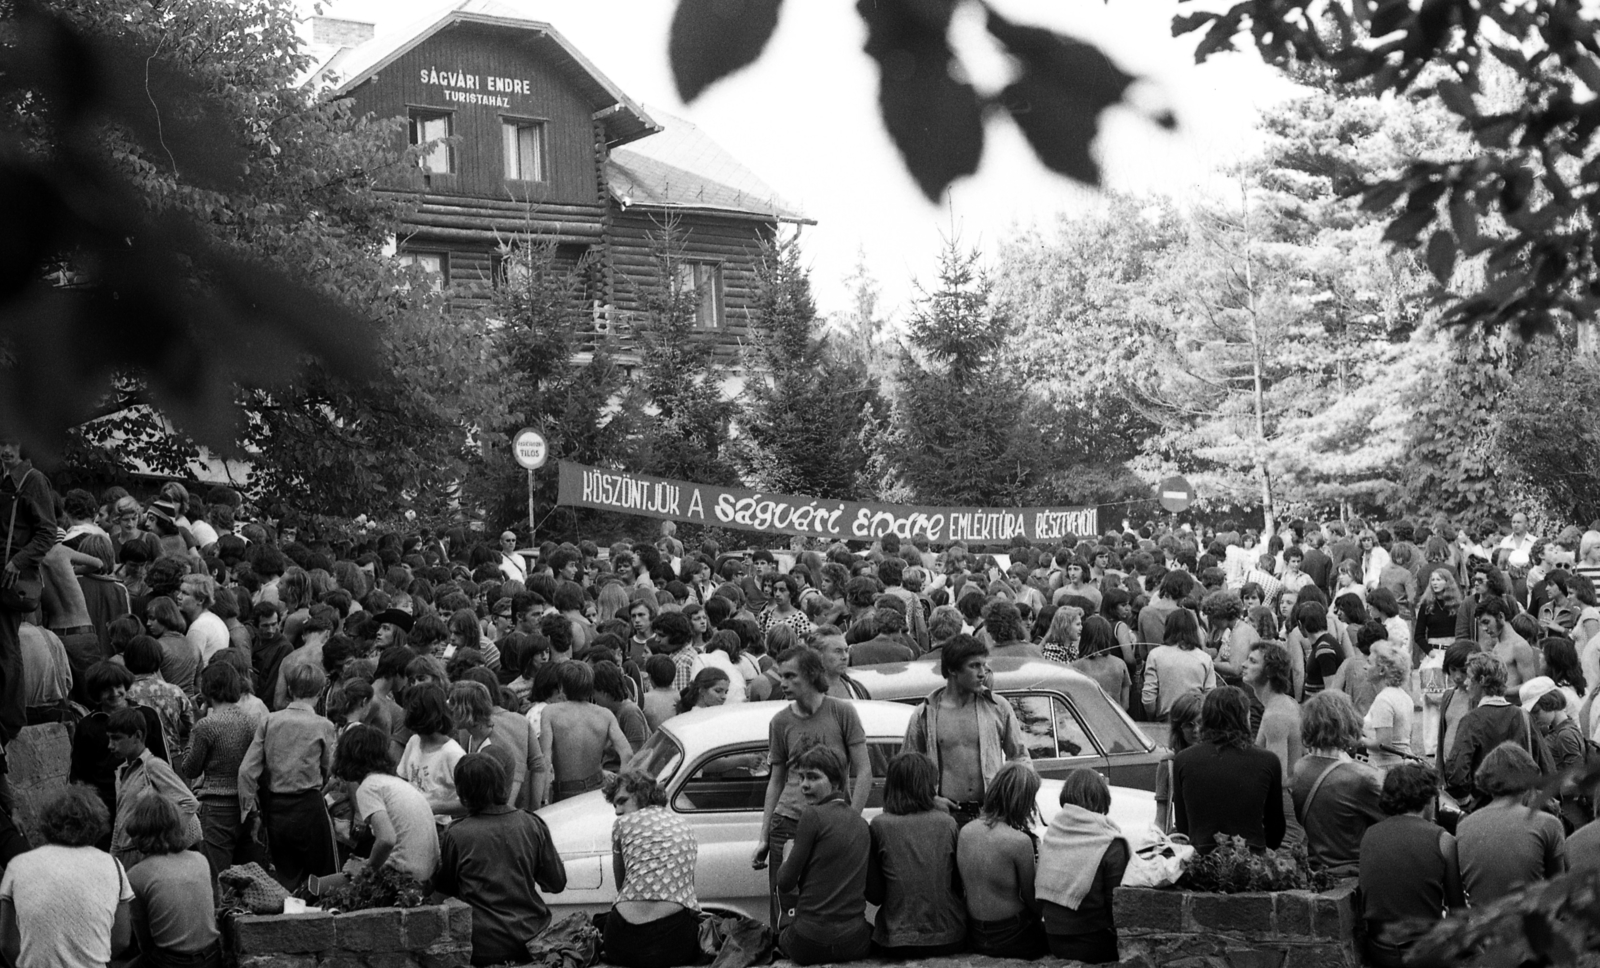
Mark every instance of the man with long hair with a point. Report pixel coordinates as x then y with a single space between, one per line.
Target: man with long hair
1225 784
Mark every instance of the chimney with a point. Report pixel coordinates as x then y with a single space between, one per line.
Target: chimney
334 32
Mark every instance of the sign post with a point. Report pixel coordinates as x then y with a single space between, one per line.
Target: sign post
531 451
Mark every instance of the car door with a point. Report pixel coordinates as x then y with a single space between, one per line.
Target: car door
722 797
1055 737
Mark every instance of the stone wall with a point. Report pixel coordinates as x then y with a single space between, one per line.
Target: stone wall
38 761
1286 929
431 936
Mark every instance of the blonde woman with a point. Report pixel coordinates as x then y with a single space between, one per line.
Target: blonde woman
1386 729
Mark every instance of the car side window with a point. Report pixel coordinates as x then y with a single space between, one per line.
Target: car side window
730 781
1050 728
1037 719
1070 734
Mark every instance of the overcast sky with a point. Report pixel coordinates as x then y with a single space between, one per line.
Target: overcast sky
804 119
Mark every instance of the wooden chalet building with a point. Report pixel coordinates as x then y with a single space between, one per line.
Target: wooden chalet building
544 141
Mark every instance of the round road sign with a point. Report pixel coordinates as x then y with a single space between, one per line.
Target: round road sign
1175 494
530 449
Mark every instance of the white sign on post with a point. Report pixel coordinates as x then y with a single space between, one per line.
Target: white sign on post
530 449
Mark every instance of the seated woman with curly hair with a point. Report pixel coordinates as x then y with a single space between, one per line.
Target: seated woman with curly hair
655 922
1410 873
66 903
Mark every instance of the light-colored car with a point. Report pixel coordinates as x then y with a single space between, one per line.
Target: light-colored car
723 804
1067 719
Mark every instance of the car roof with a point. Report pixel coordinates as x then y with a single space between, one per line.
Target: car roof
905 680
701 729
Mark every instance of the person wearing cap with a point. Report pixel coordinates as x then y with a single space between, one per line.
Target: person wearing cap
1551 709
512 564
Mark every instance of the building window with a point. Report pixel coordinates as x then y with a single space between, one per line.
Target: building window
524 149
435 264
430 126
704 280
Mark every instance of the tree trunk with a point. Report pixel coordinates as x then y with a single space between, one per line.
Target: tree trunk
1269 513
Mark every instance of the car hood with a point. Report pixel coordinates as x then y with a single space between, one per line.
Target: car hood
581 824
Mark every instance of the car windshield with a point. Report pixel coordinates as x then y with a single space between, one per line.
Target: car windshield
659 757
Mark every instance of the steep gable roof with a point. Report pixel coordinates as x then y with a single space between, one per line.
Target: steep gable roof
681 168
624 120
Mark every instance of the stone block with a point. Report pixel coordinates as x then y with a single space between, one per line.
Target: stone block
460 914
450 954
426 925
390 959
1266 956
342 959
1241 913
279 961
38 760
376 929
1148 909
1325 955
280 934
1167 947
1296 914
1336 914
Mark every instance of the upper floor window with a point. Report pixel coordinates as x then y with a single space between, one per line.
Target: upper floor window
430 126
704 280
435 264
524 149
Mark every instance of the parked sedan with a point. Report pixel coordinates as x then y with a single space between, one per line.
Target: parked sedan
1067 719
712 764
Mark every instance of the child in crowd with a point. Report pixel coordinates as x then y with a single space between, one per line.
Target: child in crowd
826 866
143 773
293 748
430 757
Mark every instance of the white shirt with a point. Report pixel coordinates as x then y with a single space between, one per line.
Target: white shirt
209 633
513 567
1520 549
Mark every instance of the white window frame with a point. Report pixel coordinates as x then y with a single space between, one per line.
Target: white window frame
417 118
510 149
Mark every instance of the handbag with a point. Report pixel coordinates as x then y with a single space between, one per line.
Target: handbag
1158 860
21 595
249 887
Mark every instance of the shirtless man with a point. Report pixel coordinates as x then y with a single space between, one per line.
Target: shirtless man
995 858
811 718
1496 635
574 734
967 732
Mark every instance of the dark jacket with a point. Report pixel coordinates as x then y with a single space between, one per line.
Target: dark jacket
1481 730
35 532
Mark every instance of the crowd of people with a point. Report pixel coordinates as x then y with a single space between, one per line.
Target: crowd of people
238 690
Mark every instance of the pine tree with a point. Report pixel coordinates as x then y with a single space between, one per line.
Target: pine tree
957 434
806 402
687 417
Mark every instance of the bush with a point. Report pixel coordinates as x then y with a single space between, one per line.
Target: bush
375 888
1235 868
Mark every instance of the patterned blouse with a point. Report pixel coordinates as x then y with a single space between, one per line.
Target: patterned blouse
658 855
